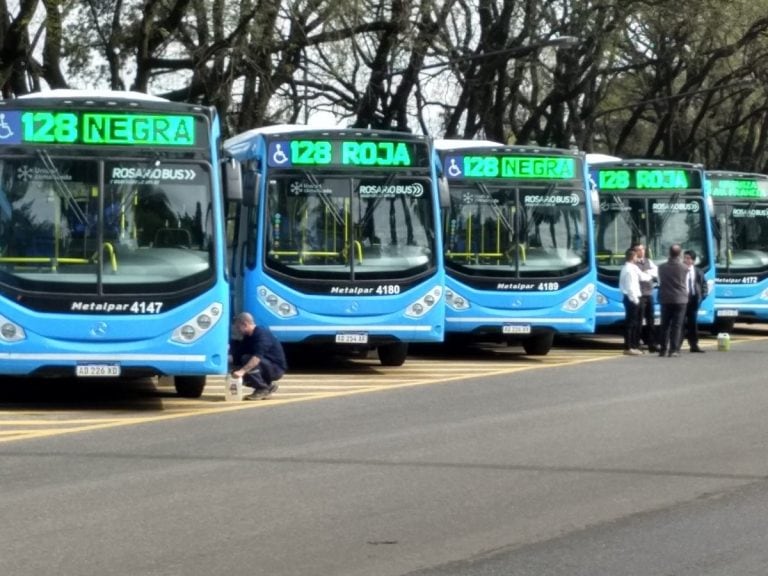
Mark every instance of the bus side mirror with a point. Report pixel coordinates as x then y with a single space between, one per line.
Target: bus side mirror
594 199
232 180
594 196
251 184
444 192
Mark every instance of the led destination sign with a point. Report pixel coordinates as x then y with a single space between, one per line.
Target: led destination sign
754 189
513 167
347 153
96 129
647 179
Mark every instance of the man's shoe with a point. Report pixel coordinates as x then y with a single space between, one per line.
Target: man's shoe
260 394
662 353
632 352
698 350
653 349
674 354
273 387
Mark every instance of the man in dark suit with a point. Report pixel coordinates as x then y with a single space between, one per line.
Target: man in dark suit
673 297
697 291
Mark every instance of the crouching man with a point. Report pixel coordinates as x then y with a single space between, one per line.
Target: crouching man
258 357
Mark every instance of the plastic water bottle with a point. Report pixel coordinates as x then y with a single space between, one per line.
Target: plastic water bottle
234 388
723 342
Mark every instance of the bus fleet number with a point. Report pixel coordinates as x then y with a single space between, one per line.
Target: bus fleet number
146 307
387 289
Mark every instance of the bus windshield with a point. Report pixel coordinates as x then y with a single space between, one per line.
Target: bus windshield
536 230
345 227
741 236
74 225
661 219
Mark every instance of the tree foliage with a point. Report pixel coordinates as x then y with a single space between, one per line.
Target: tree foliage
679 79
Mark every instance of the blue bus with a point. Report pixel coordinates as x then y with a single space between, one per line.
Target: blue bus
518 253
112 251
741 247
337 242
656 202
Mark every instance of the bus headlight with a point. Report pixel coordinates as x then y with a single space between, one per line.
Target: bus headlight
578 300
275 304
10 331
456 301
187 332
425 303
194 328
601 300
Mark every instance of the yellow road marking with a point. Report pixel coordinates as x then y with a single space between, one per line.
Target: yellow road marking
358 378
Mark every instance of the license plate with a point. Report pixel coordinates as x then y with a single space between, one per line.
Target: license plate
97 370
727 313
516 329
352 338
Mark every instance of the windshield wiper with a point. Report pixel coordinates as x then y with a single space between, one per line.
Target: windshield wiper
494 205
668 213
61 186
371 209
535 213
637 232
338 218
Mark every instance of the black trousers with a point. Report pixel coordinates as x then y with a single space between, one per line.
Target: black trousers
692 321
263 375
648 332
631 324
672 318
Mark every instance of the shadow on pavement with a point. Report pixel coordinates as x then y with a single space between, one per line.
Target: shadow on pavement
69 393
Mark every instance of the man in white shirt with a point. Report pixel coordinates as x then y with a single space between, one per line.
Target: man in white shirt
629 284
647 305
697 291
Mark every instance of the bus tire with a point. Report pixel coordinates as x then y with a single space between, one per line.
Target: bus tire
723 325
393 354
189 386
539 344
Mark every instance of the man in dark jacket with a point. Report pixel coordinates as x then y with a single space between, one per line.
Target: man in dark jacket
697 291
673 298
260 357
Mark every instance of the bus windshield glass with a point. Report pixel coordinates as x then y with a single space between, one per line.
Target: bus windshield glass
660 219
343 226
529 230
91 226
741 222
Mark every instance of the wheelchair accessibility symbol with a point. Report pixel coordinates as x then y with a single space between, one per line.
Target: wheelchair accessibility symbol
277 155
452 167
5 129
10 127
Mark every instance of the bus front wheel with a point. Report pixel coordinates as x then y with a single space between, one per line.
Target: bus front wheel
539 345
393 354
189 386
723 325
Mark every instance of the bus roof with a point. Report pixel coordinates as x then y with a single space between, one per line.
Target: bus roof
647 163
457 144
722 174
242 143
596 158
66 93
